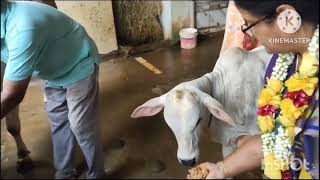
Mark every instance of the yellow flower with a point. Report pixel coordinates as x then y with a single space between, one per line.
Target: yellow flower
271 169
274 166
269 97
271 94
282 164
289 113
304 174
266 124
296 83
309 66
285 121
275 85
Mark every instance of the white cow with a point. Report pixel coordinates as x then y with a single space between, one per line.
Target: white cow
229 93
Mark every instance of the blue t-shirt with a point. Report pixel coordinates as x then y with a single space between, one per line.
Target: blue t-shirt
38 39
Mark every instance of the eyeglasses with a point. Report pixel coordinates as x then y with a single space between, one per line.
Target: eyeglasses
245 27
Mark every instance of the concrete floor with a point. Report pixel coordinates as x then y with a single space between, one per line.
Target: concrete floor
124 85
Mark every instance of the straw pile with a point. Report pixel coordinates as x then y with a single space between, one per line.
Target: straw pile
137 22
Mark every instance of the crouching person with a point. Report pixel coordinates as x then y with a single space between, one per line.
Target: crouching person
24 162
38 39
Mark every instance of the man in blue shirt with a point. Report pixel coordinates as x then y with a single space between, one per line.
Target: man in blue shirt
39 40
24 162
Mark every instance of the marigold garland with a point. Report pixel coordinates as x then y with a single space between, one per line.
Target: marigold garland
282 103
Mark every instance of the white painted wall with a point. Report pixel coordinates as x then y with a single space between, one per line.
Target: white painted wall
182 17
211 13
181 14
175 16
212 18
97 18
166 19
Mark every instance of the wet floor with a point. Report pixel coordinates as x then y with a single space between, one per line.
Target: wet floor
134 148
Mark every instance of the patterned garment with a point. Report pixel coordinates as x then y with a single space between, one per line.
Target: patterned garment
308 138
306 145
233 37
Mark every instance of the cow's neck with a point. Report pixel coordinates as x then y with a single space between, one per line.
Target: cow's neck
212 84
215 86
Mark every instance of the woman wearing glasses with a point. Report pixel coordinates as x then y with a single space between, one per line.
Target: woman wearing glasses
288 144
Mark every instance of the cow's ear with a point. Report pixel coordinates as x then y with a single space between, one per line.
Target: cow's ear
215 107
149 108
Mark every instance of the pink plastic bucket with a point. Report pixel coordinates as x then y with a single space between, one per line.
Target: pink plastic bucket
188 38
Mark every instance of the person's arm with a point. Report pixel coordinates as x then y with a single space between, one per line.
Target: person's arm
247 157
24 49
12 94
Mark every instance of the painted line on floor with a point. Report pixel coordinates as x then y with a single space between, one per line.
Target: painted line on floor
149 66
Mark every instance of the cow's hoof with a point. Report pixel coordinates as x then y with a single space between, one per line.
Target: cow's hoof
24 164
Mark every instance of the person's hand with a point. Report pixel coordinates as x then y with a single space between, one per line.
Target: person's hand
215 171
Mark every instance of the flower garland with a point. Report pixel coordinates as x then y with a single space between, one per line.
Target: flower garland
282 102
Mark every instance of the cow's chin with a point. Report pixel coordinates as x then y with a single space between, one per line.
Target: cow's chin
188 154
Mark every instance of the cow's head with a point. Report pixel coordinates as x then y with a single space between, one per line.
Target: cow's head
183 110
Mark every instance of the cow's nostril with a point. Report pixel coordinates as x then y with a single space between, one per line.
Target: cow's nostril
190 162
